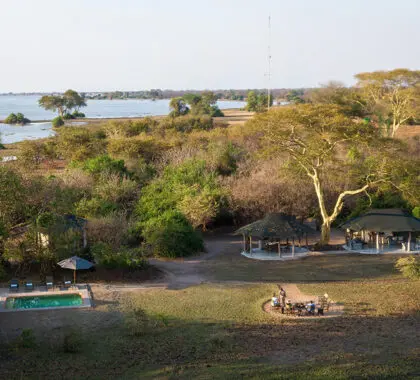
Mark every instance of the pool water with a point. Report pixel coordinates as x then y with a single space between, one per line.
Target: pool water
38 302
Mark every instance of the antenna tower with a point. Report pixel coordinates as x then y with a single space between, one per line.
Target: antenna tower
269 63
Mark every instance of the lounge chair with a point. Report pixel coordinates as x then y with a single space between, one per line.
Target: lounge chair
14 285
66 284
29 286
49 283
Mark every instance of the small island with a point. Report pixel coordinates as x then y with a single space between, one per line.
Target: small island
17 119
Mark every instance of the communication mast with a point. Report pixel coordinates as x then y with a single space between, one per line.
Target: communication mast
269 63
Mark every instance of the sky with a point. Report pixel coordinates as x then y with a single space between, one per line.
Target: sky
106 45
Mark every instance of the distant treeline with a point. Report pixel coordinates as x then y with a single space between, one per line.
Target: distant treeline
231 94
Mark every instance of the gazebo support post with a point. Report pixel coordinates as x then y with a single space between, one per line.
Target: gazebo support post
74 277
409 242
278 247
377 242
250 245
306 238
293 247
244 239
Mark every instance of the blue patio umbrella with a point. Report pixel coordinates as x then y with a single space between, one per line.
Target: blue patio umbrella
75 263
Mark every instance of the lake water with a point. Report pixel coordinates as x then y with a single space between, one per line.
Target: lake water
28 105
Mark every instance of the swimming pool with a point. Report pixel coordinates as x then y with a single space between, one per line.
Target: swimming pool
39 302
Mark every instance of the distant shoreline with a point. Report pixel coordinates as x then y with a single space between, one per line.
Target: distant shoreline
96 119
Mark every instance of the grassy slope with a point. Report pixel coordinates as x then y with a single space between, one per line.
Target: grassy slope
219 331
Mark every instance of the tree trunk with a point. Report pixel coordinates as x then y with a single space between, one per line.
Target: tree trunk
325 232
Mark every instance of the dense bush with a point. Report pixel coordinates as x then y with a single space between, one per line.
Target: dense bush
130 128
187 123
171 235
103 165
72 342
18 118
76 143
416 212
94 207
409 267
78 115
190 188
124 258
146 148
68 116
57 122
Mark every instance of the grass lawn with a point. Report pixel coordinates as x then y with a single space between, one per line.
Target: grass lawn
347 267
219 331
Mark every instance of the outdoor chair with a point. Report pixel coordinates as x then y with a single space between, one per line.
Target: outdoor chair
14 285
49 283
324 304
29 286
66 284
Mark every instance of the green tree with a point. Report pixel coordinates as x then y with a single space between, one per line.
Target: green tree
64 104
350 99
178 107
171 235
258 101
392 96
204 104
251 101
189 188
341 157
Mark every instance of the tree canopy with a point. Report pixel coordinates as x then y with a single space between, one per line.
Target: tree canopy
329 148
393 97
63 104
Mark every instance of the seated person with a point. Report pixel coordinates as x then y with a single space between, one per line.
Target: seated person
275 301
310 307
289 306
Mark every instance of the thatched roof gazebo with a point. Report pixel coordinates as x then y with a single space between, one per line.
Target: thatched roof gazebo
384 221
274 227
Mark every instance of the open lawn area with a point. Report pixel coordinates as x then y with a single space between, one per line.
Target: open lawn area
218 329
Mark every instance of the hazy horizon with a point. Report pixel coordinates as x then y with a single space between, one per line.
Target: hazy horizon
50 45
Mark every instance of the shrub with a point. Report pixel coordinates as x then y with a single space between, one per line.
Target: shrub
104 164
72 342
409 267
26 339
172 235
116 189
11 119
124 258
187 123
131 148
32 153
68 116
18 118
79 144
78 115
57 122
112 229
416 212
190 188
94 207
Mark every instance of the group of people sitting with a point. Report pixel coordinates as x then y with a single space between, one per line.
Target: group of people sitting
298 308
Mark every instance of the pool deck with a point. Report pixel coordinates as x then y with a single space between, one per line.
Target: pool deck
80 289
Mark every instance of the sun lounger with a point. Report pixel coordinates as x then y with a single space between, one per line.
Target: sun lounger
66 284
14 285
29 286
49 283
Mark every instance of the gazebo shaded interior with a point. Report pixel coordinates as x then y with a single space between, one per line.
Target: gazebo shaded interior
386 227
273 229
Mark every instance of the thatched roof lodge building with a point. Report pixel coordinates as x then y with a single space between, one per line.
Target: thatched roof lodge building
383 230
